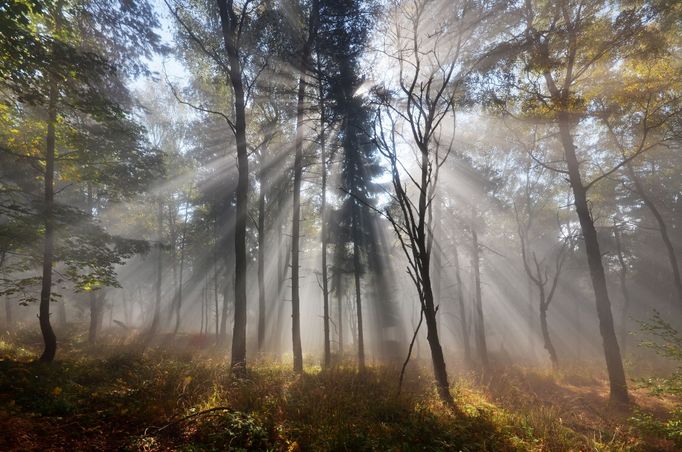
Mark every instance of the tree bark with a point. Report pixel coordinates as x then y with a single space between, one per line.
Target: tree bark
298 172
261 252
546 338
94 314
8 313
481 346
49 338
159 272
323 234
428 305
183 240
358 294
230 28
439 367
622 277
295 231
614 362
339 310
464 325
215 287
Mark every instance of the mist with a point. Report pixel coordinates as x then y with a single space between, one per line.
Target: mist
459 205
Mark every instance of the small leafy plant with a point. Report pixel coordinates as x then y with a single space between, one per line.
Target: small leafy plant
665 341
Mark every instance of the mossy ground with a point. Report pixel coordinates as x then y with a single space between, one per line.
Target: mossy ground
115 396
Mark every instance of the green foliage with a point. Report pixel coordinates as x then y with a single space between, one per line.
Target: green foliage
240 431
666 341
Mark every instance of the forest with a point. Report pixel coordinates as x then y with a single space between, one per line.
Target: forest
341 225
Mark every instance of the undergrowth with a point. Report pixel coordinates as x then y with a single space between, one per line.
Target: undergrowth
118 396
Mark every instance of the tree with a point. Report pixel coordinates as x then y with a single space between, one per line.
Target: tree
346 25
433 65
303 65
231 23
74 81
564 45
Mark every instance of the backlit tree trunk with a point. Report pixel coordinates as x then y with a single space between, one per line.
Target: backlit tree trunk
49 338
614 362
230 27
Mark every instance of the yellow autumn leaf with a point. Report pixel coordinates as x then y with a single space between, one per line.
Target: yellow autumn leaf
57 390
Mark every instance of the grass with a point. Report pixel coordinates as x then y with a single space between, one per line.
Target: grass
115 397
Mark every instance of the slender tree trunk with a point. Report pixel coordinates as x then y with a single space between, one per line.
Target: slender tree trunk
549 346
183 239
8 303
225 310
614 362
295 232
173 240
92 296
464 325
230 24
358 298
203 306
215 293
159 272
622 276
481 346
339 310
94 314
8 313
428 304
261 252
439 368
663 229
547 340
323 233
49 337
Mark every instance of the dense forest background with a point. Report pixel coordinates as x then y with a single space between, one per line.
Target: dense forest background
452 185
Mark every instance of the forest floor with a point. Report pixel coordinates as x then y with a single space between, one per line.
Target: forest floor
113 396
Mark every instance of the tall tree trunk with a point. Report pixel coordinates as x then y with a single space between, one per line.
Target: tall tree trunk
159 271
464 325
662 228
203 307
215 292
225 310
8 313
298 172
230 24
358 294
428 304
261 252
92 296
94 314
479 324
49 337
183 239
439 368
295 231
339 310
8 303
622 276
323 233
614 362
